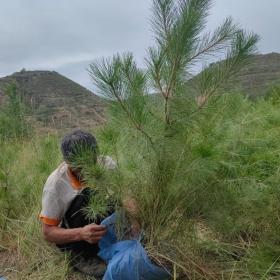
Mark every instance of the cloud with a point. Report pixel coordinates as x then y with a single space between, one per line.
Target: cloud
261 17
51 34
66 35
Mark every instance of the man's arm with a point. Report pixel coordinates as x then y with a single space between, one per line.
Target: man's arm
91 233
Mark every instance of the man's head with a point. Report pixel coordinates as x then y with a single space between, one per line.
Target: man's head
78 146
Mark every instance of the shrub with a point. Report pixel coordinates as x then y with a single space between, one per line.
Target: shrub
13 121
166 145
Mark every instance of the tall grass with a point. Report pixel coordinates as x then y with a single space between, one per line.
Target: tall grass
231 211
13 120
25 165
212 208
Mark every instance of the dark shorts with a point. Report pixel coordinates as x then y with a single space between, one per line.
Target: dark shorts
82 253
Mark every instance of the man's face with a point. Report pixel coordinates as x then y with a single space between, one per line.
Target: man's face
81 161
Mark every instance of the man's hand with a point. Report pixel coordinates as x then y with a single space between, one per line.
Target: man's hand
92 233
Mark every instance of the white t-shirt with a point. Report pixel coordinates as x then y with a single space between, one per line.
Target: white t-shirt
60 190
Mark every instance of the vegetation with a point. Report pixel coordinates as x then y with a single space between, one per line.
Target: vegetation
201 160
13 123
155 139
232 203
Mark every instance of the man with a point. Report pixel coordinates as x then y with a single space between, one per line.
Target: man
66 224
64 196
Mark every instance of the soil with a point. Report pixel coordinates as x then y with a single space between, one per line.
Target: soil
8 264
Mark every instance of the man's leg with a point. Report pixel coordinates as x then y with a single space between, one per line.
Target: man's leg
83 254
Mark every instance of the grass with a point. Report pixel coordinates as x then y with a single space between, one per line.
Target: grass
31 162
23 252
232 214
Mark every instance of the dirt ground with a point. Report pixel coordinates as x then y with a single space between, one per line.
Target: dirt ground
10 267
8 264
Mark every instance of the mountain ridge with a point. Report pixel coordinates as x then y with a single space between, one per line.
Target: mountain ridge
57 101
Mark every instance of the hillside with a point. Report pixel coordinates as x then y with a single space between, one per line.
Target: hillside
56 101
262 72
257 77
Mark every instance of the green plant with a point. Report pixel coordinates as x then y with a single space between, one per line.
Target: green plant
273 93
156 143
13 122
231 188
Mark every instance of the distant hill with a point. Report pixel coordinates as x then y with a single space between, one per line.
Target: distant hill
56 101
258 76
262 72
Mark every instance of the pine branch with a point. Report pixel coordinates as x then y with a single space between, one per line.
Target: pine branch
217 76
120 80
218 41
130 116
177 27
154 63
163 19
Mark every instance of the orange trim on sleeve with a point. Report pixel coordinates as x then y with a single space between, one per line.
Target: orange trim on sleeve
48 221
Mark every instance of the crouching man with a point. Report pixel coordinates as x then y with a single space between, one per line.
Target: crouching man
91 243
64 196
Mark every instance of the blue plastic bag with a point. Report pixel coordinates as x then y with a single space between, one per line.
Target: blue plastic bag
127 260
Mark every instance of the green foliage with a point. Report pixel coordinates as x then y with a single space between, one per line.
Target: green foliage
273 93
226 203
13 123
190 155
227 178
25 165
203 165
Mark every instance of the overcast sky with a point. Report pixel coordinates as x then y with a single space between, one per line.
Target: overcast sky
66 35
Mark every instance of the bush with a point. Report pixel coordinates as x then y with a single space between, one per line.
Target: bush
13 122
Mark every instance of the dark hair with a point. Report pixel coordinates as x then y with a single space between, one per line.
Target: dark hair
72 143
